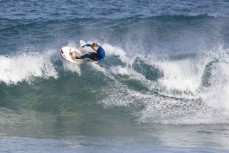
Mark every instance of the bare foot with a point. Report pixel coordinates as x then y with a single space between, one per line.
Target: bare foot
73 55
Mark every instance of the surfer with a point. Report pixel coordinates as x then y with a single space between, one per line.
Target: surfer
97 56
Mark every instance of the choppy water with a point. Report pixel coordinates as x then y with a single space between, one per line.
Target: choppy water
162 88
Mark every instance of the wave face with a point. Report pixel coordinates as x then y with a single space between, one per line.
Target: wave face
178 90
165 63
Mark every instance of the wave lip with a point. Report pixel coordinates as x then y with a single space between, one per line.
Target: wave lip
24 67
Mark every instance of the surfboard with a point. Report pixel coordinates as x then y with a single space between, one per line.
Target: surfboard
65 52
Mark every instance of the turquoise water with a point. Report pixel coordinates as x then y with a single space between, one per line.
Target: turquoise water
163 86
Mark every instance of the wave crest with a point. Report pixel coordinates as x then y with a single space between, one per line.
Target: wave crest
25 67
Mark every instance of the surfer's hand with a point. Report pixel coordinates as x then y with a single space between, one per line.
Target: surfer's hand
81 49
96 62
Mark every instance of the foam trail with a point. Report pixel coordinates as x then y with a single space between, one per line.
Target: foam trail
119 52
111 50
125 71
119 70
72 67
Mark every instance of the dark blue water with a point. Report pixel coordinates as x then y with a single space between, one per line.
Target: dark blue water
163 86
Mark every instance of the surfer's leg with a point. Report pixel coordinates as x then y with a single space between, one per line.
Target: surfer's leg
82 57
93 56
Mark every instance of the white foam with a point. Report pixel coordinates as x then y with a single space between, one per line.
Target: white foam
119 52
97 67
72 67
112 50
131 74
120 70
204 106
166 106
217 96
183 75
25 67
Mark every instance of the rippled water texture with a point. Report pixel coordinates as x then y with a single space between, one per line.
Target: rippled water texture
163 86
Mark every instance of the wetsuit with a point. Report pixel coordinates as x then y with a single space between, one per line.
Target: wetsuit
98 56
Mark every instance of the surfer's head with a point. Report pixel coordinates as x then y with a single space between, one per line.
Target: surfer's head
94 46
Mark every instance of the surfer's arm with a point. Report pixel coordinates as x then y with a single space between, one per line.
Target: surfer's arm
87 45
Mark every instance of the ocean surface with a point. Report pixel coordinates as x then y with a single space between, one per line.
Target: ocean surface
163 87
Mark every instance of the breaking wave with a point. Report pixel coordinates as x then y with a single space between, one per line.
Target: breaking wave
175 90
